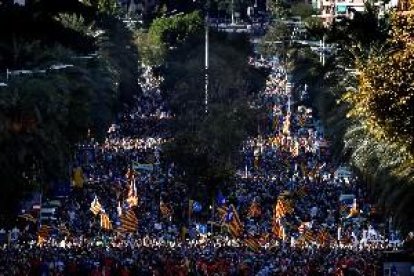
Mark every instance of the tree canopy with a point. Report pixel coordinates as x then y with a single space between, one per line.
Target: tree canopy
46 112
166 32
206 146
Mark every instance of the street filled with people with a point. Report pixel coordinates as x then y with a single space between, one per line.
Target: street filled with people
294 210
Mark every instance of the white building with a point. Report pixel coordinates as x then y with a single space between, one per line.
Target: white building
331 10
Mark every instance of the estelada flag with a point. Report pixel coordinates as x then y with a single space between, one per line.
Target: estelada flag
323 237
277 229
255 210
230 218
105 222
252 243
221 200
282 208
354 210
96 207
235 225
309 236
129 221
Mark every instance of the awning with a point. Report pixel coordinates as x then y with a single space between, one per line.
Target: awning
341 8
359 9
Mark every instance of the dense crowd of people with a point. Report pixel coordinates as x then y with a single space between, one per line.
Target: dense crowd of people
289 163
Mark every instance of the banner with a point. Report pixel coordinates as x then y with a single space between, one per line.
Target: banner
142 167
202 228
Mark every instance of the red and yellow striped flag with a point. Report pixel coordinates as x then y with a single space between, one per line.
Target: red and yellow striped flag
282 208
165 210
132 201
235 225
105 222
252 243
129 221
309 236
43 233
277 229
255 210
323 237
96 207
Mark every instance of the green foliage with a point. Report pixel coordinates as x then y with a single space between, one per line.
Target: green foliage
175 29
359 36
75 22
385 164
44 115
117 46
166 32
383 106
278 8
35 27
110 7
277 32
314 27
301 9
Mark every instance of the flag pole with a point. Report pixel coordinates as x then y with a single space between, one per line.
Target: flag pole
189 213
206 65
212 219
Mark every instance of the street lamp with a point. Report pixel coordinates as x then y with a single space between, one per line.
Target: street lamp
206 63
232 12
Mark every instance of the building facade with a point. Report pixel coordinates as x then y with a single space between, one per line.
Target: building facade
332 10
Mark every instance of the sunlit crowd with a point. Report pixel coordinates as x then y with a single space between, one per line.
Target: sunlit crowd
328 226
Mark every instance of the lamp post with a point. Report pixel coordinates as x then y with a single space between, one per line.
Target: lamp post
232 12
206 65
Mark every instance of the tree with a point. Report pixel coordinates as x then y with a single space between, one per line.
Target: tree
278 8
359 36
303 10
206 146
109 7
384 107
314 27
371 121
167 32
43 115
276 40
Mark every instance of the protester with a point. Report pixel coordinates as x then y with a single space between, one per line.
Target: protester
288 182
